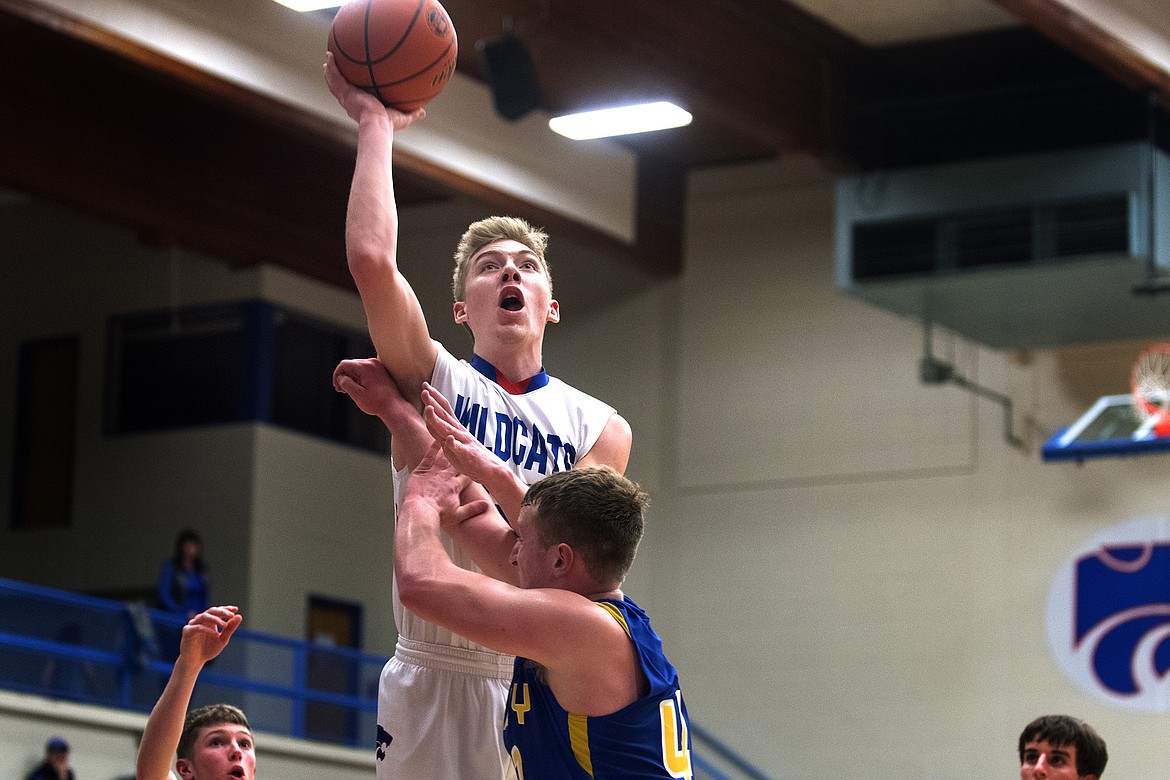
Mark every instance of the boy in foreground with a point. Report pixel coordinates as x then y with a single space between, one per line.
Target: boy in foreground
212 742
1061 747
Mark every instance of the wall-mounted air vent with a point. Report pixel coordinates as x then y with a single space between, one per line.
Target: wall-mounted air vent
990 239
1024 251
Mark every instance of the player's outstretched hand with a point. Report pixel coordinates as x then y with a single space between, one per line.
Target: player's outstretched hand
357 101
372 388
437 481
207 634
464 451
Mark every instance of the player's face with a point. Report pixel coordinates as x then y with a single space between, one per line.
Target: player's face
1044 761
507 291
220 752
528 556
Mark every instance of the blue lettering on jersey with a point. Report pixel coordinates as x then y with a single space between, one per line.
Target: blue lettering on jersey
512 440
538 453
477 422
503 445
521 433
555 446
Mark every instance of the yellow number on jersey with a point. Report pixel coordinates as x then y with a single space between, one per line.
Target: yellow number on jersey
518 763
521 705
676 755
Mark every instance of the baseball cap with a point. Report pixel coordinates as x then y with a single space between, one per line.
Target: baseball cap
57 745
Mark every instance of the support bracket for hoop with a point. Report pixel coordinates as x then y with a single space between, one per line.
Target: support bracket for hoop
933 371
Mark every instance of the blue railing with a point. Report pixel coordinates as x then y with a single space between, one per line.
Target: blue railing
119 654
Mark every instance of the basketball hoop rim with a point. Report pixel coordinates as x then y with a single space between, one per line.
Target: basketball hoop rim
1150 375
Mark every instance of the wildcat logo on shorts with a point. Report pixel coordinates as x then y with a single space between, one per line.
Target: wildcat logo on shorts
1109 615
382 742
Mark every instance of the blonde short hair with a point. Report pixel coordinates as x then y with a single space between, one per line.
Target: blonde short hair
488 231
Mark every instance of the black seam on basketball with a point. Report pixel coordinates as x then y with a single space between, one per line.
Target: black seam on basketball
416 74
344 54
366 42
402 40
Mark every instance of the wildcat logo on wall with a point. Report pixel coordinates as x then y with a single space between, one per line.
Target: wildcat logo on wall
1109 615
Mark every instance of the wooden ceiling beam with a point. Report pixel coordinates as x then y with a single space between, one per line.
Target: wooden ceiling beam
760 71
102 124
1095 41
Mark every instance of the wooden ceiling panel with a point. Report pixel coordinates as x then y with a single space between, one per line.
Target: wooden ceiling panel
752 73
1096 41
184 159
116 129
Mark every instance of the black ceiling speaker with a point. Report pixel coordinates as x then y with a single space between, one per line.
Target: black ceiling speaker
508 67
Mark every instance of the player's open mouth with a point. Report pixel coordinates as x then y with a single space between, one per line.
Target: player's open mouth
236 771
512 303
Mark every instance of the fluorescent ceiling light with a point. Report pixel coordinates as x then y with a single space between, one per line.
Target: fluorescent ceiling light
309 5
624 120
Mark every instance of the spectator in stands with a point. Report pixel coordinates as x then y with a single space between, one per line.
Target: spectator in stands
56 763
211 742
182 581
182 590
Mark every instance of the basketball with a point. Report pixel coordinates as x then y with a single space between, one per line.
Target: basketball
402 51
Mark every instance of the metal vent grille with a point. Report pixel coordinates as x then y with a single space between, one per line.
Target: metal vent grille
987 239
1089 228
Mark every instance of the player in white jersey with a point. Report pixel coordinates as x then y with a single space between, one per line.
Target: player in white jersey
440 699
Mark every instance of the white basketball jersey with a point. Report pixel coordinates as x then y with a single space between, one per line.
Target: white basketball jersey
537 430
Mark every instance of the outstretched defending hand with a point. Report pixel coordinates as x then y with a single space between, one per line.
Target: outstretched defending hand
437 482
463 450
207 634
374 391
357 102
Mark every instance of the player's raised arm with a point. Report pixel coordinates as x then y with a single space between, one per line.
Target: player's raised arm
395 318
550 625
612 449
204 637
478 527
468 455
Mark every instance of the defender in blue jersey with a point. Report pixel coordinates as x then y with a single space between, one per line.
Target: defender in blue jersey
645 739
592 694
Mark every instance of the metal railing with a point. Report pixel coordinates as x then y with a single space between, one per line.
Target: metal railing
715 760
119 654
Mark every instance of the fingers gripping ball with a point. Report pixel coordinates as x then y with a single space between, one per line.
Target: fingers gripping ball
403 51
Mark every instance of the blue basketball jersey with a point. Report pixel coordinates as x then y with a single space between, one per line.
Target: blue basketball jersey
647 739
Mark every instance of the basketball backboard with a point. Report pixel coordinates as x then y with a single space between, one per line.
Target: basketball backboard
1111 427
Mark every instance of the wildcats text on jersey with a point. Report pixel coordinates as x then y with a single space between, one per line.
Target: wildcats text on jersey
512 439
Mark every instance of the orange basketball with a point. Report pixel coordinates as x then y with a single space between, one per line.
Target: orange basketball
403 51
